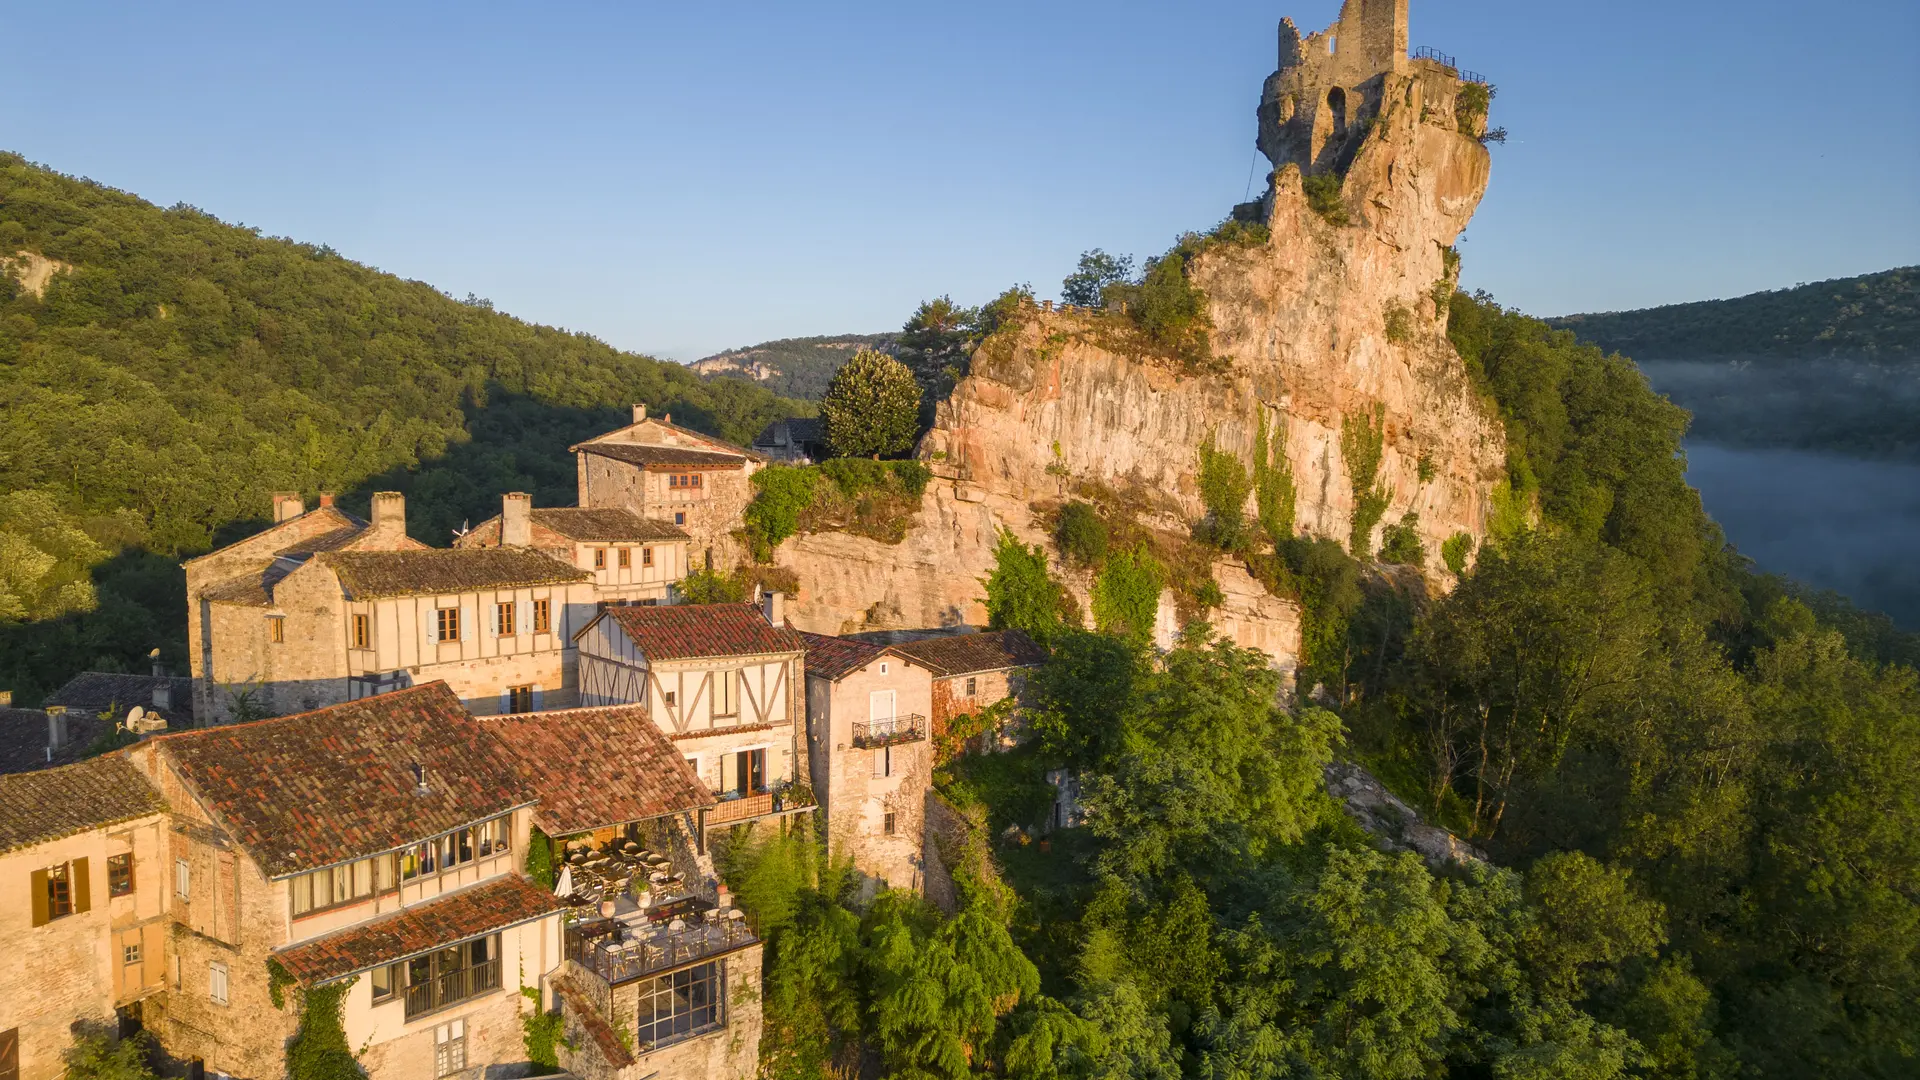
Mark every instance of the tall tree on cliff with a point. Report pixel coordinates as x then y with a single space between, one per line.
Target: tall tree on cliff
872 407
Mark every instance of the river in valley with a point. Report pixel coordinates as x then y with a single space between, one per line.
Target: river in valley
1833 522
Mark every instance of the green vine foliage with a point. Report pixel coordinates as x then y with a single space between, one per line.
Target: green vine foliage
781 492
540 865
1362 442
1126 594
319 1050
1021 594
1400 543
1273 490
1323 198
1455 551
1224 487
543 1033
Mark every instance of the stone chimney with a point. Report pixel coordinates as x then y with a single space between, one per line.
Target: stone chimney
153 657
287 506
516 519
389 514
639 412
326 498
56 727
774 606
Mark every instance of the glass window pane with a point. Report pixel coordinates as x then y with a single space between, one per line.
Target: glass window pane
383 873
363 878
302 889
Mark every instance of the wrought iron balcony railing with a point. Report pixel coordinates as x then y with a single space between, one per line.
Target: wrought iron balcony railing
899 729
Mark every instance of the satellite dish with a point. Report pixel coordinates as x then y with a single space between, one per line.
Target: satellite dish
135 715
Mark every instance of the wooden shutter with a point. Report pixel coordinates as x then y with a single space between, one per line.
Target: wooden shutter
82 888
38 884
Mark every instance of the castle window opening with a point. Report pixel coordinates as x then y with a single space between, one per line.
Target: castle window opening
277 629
542 617
1337 106
448 623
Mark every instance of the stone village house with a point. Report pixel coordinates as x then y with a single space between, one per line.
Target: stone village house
665 472
379 841
633 560
723 681
82 907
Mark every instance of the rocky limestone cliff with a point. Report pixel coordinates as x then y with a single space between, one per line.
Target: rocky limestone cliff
1321 322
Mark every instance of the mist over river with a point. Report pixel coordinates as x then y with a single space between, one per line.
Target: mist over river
1833 522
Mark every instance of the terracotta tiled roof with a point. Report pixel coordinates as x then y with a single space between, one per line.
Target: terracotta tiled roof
36 807
475 911
597 767
367 575
23 739
690 631
649 455
324 787
836 657
967 654
96 691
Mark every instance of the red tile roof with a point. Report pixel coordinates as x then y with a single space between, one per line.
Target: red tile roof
970 654
598 766
336 784
36 807
476 911
835 657
692 631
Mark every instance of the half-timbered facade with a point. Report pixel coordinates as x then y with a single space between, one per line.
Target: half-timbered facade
723 681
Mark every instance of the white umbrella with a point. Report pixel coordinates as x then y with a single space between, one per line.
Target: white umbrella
565 885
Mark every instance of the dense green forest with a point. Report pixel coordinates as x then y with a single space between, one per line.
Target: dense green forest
1693 780
1873 316
181 369
799 367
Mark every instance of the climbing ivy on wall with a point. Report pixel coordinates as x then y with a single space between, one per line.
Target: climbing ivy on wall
539 860
1362 442
544 1033
1273 491
319 1050
1126 594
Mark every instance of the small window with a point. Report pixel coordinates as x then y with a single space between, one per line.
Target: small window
680 519
450 1048
182 879
59 891
277 629
542 617
668 696
120 874
130 954
887 823
448 623
492 837
217 982
646 556
883 667
503 617
520 699
362 632
385 980
883 761
626 558
972 687
599 558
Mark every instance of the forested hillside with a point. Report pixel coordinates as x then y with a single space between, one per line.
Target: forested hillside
1873 316
173 370
794 367
1694 783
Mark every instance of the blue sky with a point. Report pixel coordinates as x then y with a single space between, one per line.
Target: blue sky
678 179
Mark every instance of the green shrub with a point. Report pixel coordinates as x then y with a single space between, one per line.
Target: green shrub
540 865
1470 106
1400 543
710 586
913 477
1167 307
1081 534
1224 487
1455 550
1021 595
781 493
1126 594
1323 198
1399 322
319 1050
855 476
1208 594
96 1056
542 1033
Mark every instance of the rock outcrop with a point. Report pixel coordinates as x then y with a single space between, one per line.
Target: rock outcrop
1391 821
1325 322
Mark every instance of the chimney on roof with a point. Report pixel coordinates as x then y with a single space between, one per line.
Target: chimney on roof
326 498
159 669
774 606
420 780
516 519
390 514
639 412
287 506
667 418
56 728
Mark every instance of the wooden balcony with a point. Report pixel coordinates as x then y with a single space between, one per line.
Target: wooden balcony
900 729
751 806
